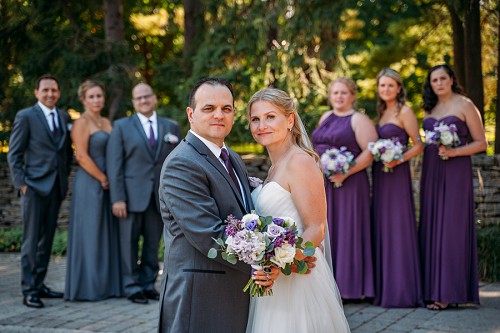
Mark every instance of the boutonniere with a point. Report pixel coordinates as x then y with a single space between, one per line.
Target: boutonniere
254 181
170 138
69 126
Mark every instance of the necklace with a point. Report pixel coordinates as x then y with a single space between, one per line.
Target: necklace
96 122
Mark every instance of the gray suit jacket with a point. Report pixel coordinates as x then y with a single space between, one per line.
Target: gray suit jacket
196 195
35 157
133 167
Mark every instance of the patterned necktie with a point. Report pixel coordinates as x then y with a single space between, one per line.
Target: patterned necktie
224 155
152 141
54 127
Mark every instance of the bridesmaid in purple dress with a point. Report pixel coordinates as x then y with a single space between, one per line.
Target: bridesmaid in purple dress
447 230
349 204
397 264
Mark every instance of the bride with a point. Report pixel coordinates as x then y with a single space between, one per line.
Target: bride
294 187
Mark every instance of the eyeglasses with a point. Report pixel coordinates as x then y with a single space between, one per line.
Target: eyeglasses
142 97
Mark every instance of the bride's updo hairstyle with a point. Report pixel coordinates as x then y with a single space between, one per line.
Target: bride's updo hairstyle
285 104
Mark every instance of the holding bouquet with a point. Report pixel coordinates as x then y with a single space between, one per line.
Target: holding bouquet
337 161
386 151
443 135
262 242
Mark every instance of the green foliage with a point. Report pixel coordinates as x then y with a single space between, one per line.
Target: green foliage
488 245
11 239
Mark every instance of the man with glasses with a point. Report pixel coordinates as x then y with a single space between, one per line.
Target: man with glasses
136 150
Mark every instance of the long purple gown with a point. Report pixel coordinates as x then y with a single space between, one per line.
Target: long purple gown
348 214
397 264
447 230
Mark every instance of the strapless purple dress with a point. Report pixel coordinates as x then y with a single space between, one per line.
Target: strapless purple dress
447 230
397 264
348 214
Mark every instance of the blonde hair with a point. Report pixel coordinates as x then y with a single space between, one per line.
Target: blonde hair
400 98
349 83
86 85
285 103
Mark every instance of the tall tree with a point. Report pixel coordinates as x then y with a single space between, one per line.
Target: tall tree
458 42
114 31
497 111
473 65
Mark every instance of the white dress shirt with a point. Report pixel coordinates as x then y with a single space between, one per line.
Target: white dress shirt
145 123
47 112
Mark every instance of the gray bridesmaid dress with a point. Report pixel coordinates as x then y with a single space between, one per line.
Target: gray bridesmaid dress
93 257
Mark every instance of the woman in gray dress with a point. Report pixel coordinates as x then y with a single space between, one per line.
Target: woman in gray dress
93 271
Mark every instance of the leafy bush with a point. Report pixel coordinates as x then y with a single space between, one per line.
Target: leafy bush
11 240
488 248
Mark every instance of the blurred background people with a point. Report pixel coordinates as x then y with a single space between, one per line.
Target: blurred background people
397 265
349 204
93 259
137 148
447 231
40 161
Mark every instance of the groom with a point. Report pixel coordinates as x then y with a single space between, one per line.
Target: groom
197 193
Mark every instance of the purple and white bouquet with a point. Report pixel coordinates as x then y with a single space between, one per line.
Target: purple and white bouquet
262 242
386 151
443 134
337 161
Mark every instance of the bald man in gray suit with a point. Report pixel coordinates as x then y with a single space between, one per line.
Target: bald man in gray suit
136 150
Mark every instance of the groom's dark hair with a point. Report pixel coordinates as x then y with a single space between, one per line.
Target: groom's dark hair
213 81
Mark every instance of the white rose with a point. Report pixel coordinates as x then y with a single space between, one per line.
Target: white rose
387 156
446 138
249 217
283 255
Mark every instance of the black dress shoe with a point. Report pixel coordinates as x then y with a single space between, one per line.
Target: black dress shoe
151 294
138 298
32 301
45 292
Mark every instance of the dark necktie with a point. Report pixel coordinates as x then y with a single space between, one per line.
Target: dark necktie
54 127
225 157
152 141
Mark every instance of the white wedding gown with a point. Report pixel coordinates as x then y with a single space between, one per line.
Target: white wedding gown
300 303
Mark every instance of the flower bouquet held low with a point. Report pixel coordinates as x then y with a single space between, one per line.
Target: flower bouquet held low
337 161
386 151
262 242
443 135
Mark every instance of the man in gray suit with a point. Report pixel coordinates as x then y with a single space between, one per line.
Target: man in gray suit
201 183
136 150
40 160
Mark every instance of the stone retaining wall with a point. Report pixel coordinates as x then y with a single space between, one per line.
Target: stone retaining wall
486 183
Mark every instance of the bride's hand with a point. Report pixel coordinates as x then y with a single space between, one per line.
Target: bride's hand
266 279
299 255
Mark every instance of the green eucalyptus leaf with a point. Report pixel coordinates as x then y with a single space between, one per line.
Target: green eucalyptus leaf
212 253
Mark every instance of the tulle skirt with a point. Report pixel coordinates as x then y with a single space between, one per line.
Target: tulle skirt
300 303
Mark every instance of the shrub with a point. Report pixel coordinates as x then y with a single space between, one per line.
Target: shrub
488 248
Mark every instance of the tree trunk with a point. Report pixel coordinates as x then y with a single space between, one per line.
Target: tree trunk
473 67
193 29
114 30
458 46
497 111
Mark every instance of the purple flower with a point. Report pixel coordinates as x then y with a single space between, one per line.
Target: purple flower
252 225
278 242
231 230
278 221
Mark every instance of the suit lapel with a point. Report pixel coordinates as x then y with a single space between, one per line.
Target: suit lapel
214 161
63 127
162 130
243 180
41 117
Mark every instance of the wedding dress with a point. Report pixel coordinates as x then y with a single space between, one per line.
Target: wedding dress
300 303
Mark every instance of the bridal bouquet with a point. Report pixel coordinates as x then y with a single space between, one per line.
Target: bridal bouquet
262 242
443 134
337 161
386 151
